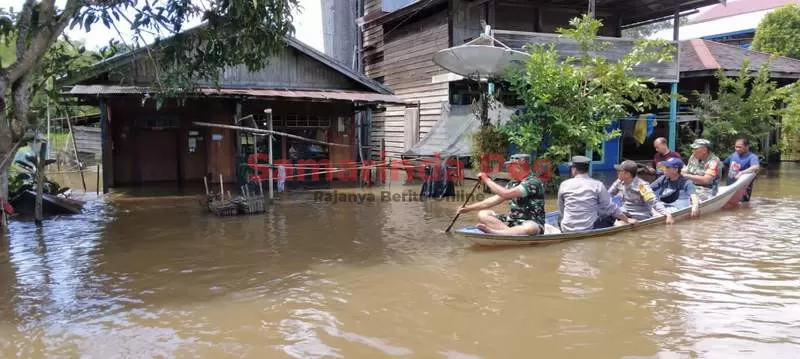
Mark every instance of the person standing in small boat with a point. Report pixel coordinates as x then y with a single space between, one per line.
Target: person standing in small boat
740 162
638 199
674 190
703 169
584 203
525 207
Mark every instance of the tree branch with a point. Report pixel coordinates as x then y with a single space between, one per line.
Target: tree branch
24 26
47 12
44 38
21 106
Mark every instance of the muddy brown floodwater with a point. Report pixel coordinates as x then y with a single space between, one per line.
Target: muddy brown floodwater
154 276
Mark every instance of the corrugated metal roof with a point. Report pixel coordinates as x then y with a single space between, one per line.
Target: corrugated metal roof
629 11
312 95
732 8
704 56
124 58
352 96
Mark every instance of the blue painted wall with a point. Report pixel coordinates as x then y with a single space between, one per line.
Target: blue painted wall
611 150
610 157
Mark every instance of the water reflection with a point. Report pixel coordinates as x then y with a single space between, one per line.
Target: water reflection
144 277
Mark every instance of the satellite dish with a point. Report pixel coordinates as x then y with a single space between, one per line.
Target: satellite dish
483 61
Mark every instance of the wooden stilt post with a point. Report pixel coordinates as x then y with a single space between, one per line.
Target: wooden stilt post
75 150
269 124
673 102
40 181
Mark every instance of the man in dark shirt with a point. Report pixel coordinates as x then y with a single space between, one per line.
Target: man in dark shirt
675 191
662 154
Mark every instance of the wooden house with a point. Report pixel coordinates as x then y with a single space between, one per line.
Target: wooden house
400 38
308 93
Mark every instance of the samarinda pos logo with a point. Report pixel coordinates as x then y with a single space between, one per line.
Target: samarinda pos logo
425 169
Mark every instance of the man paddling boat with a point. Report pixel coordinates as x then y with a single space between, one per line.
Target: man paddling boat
525 207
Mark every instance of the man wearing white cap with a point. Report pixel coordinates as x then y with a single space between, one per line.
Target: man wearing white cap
584 203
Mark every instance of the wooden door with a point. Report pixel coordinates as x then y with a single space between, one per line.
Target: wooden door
340 154
158 155
194 160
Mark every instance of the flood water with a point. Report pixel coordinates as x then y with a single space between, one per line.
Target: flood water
155 276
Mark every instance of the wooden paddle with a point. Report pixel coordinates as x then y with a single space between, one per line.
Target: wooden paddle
477 184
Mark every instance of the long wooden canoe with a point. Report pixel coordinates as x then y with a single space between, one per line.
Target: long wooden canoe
727 197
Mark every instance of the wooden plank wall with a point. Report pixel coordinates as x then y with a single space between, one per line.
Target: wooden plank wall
87 139
551 19
467 21
373 41
407 68
289 69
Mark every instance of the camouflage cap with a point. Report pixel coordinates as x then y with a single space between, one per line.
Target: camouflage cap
701 142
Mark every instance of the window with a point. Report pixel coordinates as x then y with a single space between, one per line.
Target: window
157 122
597 156
392 5
464 92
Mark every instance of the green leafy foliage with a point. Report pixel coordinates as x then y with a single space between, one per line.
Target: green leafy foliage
790 122
234 32
24 175
778 32
63 59
570 103
488 140
744 105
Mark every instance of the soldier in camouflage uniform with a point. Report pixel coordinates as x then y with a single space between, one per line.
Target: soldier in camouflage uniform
526 213
704 169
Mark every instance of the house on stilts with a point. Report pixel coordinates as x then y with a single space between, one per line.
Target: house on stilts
302 92
400 38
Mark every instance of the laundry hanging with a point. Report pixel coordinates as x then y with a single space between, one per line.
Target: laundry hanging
651 123
640 130
644 127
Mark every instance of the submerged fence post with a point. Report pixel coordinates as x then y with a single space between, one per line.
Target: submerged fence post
40 181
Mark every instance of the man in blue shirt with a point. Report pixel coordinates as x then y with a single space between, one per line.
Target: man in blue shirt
674 190
740 162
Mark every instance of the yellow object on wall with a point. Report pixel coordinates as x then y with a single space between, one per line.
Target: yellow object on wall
640 130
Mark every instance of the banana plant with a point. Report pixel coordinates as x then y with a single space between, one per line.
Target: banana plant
25 175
